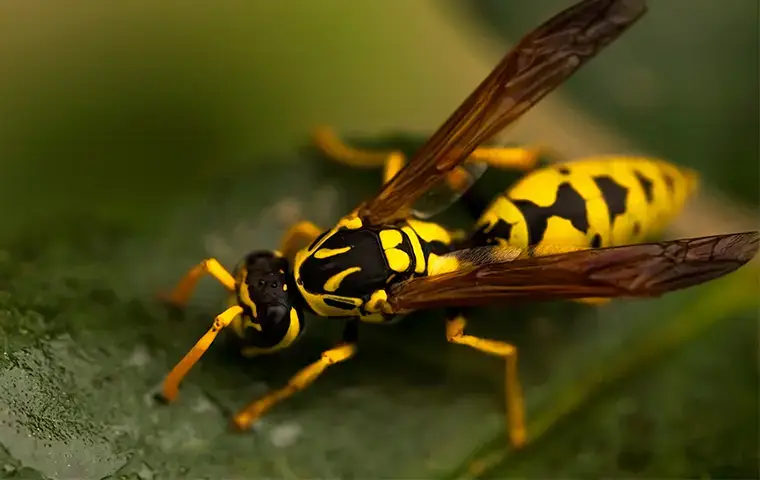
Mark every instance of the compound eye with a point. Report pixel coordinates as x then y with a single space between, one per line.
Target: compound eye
276 313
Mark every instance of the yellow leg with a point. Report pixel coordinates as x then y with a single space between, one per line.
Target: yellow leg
515 409
170 387
248 416
594 301
181 293
508 158
394 162
297 237
333 147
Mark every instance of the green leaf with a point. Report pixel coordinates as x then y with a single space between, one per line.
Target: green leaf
87 344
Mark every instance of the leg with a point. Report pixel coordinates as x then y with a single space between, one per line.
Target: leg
515 410
299 236
347 349
331 146
170 386
181 293
508 158
328 142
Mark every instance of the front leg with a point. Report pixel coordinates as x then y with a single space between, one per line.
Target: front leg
181 293
244 419
297 237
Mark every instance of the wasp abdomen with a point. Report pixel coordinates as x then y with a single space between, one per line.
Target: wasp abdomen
588 203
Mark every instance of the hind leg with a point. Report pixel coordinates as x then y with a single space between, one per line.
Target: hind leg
508 158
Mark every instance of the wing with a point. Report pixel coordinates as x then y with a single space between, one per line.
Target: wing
539 63
492 275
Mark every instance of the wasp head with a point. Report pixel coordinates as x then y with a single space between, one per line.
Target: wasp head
272 307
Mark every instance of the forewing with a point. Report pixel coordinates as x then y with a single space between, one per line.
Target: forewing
539 63
493 275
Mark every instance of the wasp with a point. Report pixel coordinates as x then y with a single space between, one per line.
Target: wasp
385 259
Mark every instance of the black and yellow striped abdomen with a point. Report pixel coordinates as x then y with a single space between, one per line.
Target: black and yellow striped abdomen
598 202
345 271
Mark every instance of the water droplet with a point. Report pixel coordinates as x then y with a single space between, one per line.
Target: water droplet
285 435
145 472
138 358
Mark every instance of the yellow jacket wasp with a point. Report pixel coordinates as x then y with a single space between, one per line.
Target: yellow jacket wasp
379 261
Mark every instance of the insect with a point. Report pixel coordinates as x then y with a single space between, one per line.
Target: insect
588 203
379 262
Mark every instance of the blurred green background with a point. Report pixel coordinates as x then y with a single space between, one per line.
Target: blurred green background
137 138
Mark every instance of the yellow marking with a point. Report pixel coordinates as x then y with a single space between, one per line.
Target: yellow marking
562 232
390 238
350 222
438 265
599 221
539 186
398 259
333 283
277 253
240 323
430 231
330 252
284 287
317 303
376 301
294 329
245 296
419 255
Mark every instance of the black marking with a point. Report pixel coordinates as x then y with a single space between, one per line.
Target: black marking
646 185
614 195
636 229
569 205
669 182
596 241
338 303
436 246
474 201
564 170
501 229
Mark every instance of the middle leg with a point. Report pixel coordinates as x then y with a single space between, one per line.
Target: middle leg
344 351
514 400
